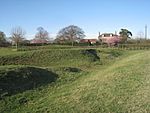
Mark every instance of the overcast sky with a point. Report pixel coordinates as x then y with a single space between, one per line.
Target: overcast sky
92 16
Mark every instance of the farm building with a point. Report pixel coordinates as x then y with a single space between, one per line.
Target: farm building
92 41
109 38
38 41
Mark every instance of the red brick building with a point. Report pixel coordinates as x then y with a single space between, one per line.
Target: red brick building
92 41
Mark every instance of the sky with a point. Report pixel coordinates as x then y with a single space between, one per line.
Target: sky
92 16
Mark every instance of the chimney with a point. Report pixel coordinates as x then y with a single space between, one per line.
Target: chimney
99 33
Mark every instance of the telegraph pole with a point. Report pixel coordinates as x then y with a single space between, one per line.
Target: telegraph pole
145 32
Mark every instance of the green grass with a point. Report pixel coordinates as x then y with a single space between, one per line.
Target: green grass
7 51
19 79
51 57
30 48
118 82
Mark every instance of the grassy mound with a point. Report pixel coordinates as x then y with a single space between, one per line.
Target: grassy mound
61 84
18 79
59 57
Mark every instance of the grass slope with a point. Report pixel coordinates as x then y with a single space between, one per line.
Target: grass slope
61 57
117 87
18 79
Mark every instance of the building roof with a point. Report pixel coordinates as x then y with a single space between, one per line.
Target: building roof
107 35
38 41
87 40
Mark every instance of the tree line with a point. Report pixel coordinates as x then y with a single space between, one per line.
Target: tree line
70 34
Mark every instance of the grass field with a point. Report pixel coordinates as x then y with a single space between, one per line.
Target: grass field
75 81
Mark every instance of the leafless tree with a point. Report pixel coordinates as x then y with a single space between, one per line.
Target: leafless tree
71 33
140 35
42 34
17 35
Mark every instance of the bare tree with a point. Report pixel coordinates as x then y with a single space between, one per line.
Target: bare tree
71 33
42 35
140 35
17 36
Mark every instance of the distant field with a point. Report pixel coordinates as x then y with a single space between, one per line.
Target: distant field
63 79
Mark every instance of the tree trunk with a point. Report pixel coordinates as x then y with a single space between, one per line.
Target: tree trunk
17 46
72 43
